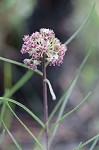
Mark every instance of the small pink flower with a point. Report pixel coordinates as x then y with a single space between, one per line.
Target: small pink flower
43 42
35 35
27 61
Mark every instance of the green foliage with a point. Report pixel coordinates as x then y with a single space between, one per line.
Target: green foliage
26 109
19 64
70 112
26 128
68 92
2 136
13 139
94 144
81 27
60 106
87 142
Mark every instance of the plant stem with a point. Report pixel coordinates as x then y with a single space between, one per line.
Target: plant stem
45 100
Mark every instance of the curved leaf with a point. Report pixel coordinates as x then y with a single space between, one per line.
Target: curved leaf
26 109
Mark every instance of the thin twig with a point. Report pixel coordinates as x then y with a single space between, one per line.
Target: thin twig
45 100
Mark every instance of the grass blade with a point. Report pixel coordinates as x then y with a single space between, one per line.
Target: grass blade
1 102
21 82
78 146
81 27
26 109
70 112
94 144
13 139
2 136
19 64
67 93
39 138
87 142
17 86
25 127
3 110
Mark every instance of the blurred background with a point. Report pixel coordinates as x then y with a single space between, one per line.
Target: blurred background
18 18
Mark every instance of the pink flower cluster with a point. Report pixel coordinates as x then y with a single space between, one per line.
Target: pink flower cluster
43 42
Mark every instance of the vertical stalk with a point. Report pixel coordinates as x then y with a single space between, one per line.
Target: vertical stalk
45 100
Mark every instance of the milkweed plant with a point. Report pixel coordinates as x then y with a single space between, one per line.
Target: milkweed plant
44 49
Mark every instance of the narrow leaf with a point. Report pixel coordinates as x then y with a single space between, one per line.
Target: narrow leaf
17 86
20 64
87 142
70 112
67 94
1 102
25 127
21 82
26 109
81 27
39 138
2 136
78 146
94 144
13 139
3 109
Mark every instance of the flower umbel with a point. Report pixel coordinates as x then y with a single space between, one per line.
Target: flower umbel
43 42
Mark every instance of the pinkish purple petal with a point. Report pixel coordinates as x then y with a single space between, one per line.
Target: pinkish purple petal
43 42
